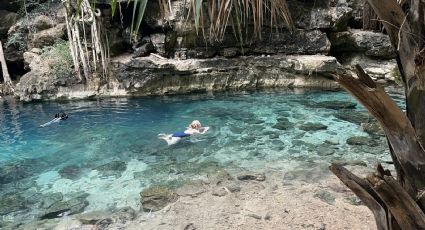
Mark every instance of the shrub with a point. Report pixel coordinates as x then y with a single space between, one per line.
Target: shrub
58 58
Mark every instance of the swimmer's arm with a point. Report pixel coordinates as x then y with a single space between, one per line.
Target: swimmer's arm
205 129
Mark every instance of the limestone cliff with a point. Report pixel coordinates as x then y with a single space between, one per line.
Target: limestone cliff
170 58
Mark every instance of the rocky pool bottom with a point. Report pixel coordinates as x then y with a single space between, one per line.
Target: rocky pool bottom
262 165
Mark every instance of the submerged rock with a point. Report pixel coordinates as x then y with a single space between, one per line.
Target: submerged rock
352 163
283 123
325 150
114 168
359 140
155 198
332 141
311 173
93 217
252 176
326 197
71 172
373 129
50 199
272 134
352 116
14 172
62 208
11 203
353 200
119 219
310 126
336 105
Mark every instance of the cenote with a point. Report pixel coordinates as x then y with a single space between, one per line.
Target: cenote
108 151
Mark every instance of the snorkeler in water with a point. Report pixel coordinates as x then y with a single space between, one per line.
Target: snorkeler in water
58 117
61 115
194 128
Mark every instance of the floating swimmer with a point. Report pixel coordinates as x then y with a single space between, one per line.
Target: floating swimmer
194 128
58 117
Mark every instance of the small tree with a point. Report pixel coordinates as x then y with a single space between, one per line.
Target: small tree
396 204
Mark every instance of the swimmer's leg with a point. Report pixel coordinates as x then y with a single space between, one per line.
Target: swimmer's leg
169 138
173 140
163 136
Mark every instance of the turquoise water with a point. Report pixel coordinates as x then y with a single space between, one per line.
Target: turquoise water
108 149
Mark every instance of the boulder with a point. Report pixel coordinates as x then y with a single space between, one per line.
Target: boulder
373 44
373 129
299 42
356 20
325 150
252 176
144 50
326 197
335 18
14 172
11 203
375 68
283 123
358 140
230 52
353 116
158 41
48 37
351 163
219 191
7 19
103 220
336 105
42 82
42 22
50 199
72 206
332 141
71 172
155 198
310 126
114 168
93 217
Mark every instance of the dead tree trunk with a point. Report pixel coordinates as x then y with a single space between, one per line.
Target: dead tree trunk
396 204
8 87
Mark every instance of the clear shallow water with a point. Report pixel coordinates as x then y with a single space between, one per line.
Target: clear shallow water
75 156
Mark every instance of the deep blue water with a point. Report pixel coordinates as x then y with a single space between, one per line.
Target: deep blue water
243 136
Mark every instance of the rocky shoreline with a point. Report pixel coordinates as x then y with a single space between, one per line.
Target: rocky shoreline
304 199
172 59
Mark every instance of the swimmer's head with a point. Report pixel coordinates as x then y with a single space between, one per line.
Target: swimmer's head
195 124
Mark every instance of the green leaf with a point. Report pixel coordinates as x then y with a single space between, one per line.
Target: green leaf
114 6
138 12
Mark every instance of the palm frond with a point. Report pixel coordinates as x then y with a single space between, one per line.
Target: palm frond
114 4
138 13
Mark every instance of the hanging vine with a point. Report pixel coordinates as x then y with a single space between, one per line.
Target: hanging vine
89 51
